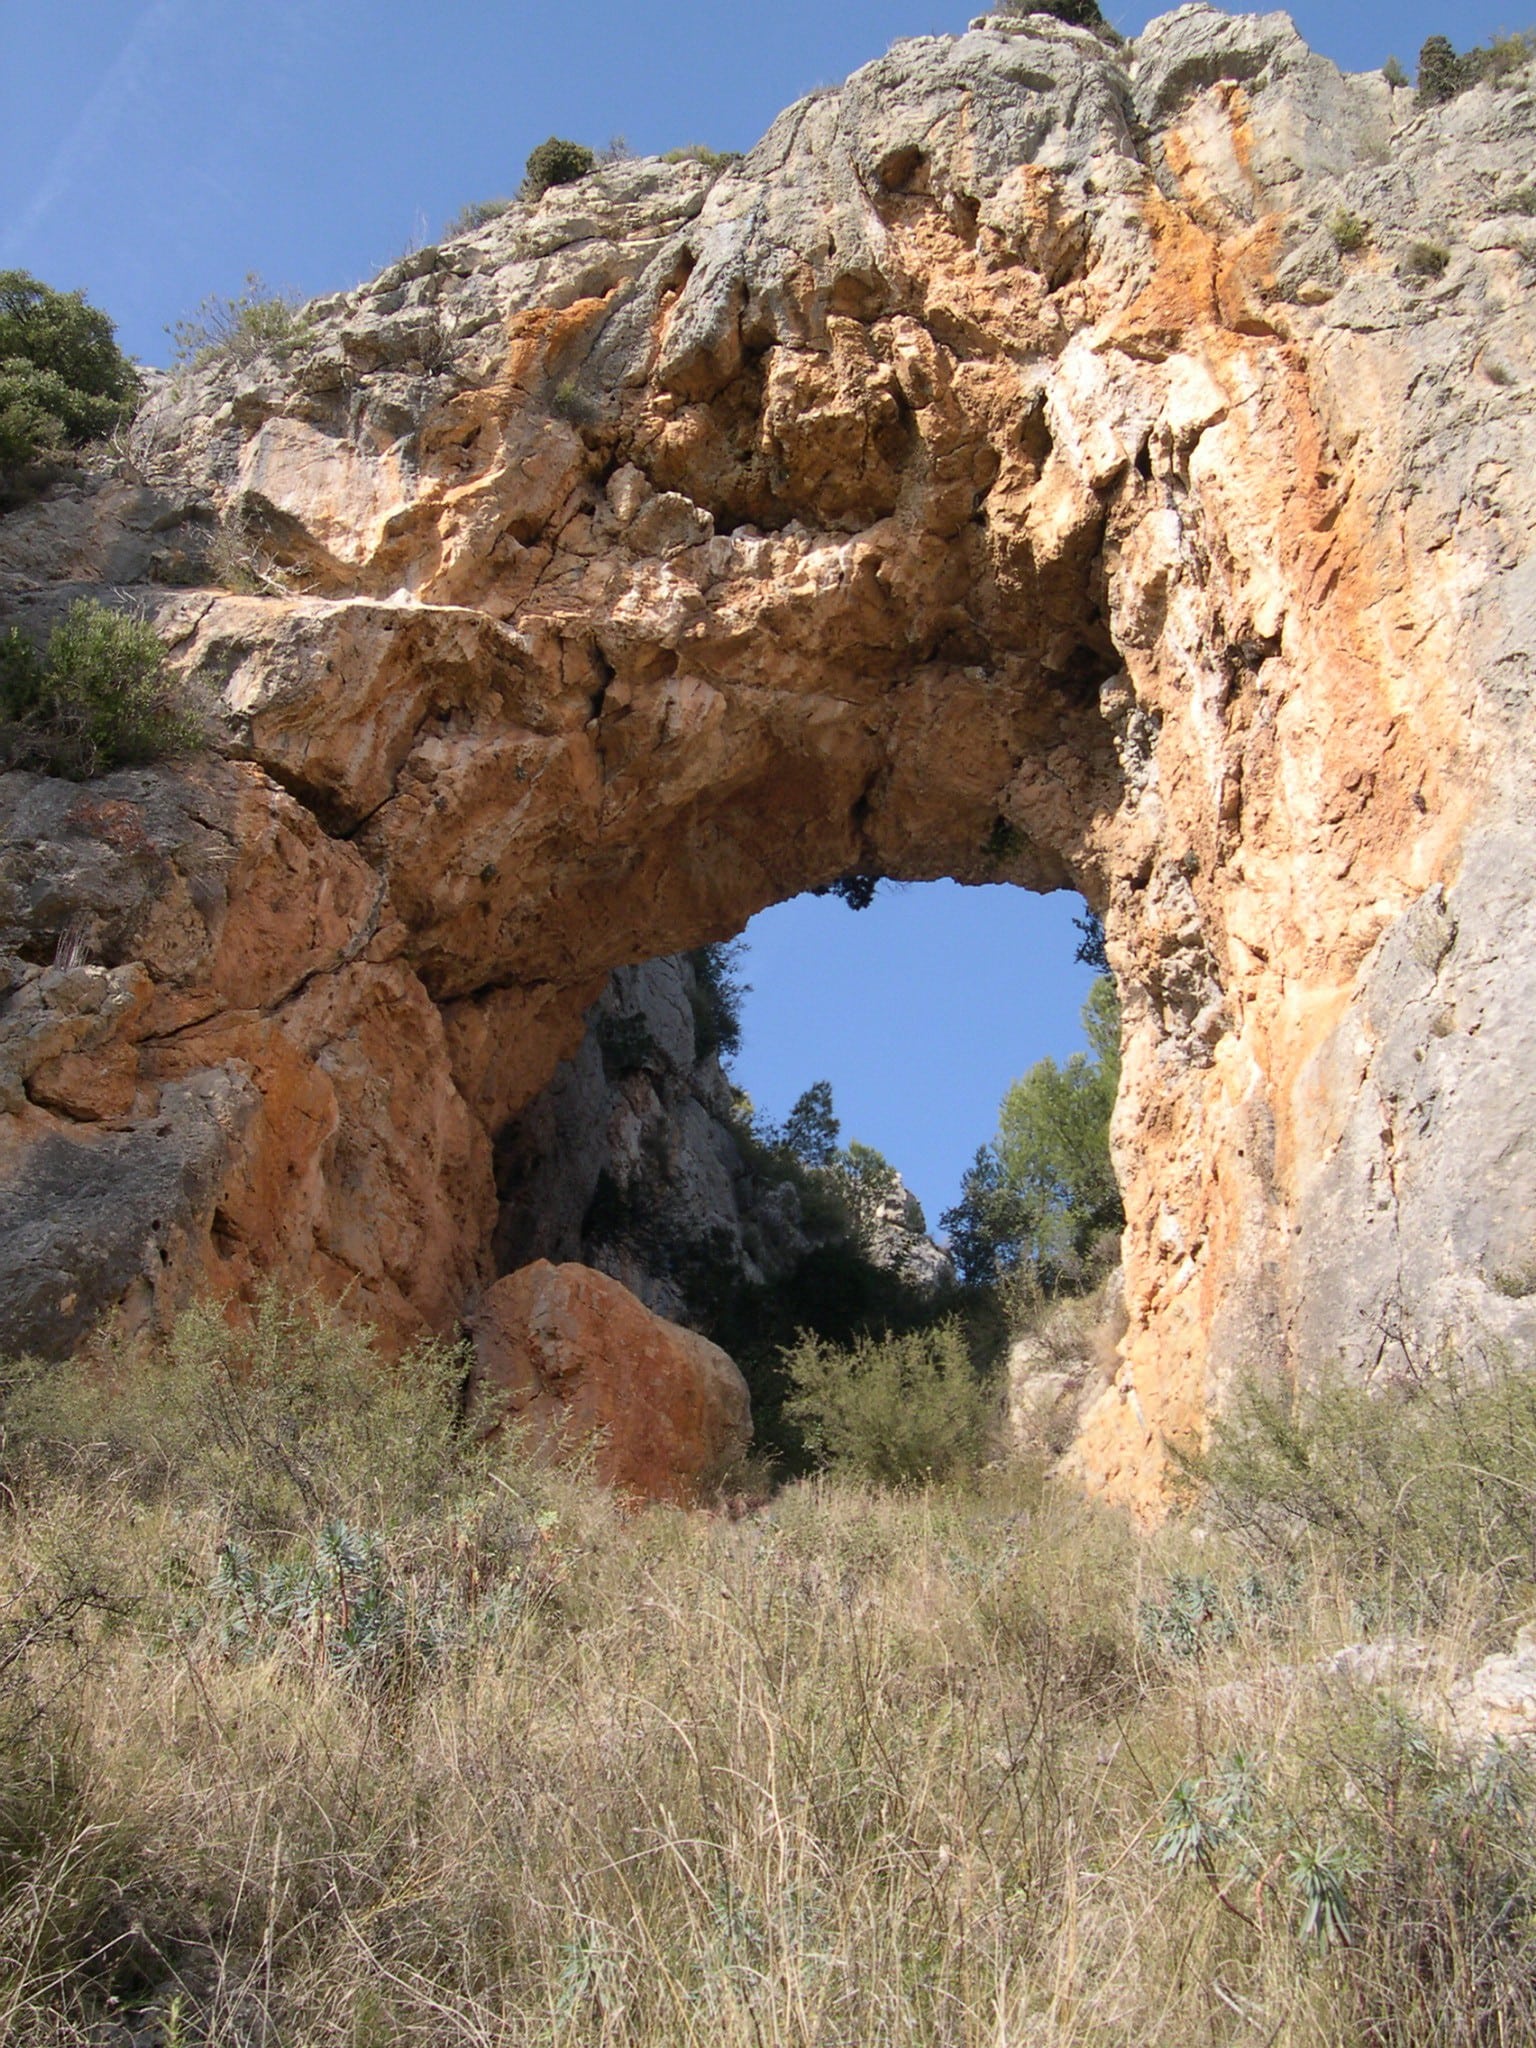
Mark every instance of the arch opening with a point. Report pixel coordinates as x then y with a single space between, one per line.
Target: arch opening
719 1147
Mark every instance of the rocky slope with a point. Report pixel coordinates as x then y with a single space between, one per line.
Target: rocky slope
1000 474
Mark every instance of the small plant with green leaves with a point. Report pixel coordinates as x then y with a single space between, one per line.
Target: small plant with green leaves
334 1602
556 161
898 1410
1004 842
570 402
477 214
1220 1829
1425 261
698 153
1394 74
63 379
97 696
1521 201
1193 1620
1349 233
257 321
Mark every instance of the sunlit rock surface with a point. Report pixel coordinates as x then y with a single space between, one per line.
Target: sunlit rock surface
568 1357
998 474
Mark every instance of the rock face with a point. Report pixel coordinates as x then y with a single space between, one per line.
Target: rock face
898 1240
1497 1701
583 1364
629 1160
999 474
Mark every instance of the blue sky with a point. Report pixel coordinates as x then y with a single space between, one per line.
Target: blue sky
154 151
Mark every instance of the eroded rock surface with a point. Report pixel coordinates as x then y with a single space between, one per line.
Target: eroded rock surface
583 1367
631 1160
1000 474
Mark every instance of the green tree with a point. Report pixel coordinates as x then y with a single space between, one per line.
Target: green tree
63 379
715 996
864 1178
811 1128
990 1224
1045 1188
1442 74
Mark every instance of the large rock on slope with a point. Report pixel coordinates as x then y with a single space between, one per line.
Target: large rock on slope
1000 474
582 1366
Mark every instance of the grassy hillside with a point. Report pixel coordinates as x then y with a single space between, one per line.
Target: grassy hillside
321 1727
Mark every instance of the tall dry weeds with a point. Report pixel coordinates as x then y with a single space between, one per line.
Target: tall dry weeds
863 1768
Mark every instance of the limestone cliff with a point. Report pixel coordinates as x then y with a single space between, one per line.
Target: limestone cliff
630 1161
1000 474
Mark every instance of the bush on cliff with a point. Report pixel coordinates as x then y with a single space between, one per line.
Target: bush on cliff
63 379
715 998
96 697
256 321
1076 13
555 162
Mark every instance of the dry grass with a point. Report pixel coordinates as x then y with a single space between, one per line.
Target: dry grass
867 1767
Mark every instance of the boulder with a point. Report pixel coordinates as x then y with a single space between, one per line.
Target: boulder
1498 1701
581 1363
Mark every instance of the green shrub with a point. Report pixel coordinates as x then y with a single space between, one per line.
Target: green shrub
555 162
1426 259
1393 72
1502 58
696 153
1442 74
1418 1482
255 322
97 697
1076 13
63 379
477 214
896 1410
626 1043
1350 233
288 1422
1523 201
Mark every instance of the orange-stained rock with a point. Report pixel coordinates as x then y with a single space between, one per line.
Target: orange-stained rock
582 1362
999 474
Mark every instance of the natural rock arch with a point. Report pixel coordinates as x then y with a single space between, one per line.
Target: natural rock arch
998 475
